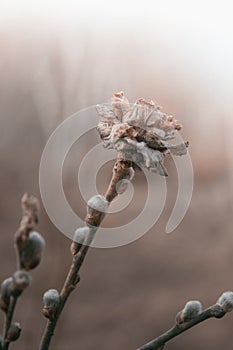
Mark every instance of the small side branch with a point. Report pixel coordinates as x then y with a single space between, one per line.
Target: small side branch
189 317
8 320
30 213
29 246
122 170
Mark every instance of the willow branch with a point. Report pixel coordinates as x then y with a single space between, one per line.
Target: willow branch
8 320
121 171
20 279
158 343
30 212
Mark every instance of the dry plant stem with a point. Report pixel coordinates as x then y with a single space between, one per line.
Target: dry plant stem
158 343
8 320
30 209
120 171
30 212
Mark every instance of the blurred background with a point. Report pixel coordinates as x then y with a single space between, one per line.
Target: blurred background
59 57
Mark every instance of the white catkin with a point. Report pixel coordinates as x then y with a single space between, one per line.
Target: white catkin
122 186
21 279
31 251
226 301
5 292
80 234
98 203
51 298
37 238
191 310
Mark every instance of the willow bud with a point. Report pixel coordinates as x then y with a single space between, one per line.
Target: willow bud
96 208
226 301
51 300
5 293
98 203
13 332
190 311
20 281
31 250
122 186
79 237
179 317
130 174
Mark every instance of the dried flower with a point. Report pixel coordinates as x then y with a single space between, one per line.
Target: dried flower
226 301
140 132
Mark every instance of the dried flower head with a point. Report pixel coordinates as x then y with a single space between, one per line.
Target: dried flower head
139 132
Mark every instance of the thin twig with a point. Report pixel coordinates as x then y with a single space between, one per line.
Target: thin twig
8 320
30 209
120 172
158 343
30 212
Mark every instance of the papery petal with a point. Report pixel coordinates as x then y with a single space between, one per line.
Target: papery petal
120 105
178 150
